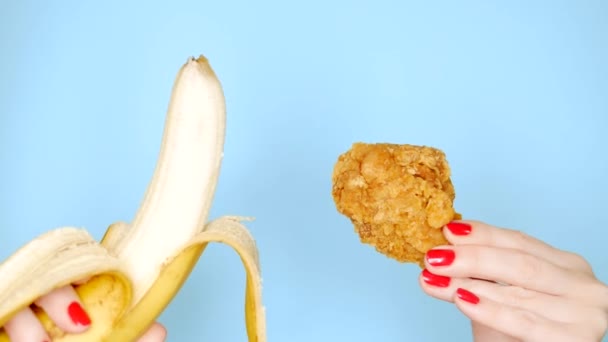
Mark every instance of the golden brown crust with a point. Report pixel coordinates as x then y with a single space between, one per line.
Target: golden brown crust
397 196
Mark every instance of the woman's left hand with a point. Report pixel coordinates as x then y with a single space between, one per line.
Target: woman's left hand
64 307
515 287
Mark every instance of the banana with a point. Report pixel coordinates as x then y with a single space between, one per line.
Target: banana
137 268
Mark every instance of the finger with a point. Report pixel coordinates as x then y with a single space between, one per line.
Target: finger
65 309
442 287
438 286
478 233
156 333
507 266
519 323
560 309
25 326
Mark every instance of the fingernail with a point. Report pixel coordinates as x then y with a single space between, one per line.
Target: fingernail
440 257
434 279
78 315
459 228
467 296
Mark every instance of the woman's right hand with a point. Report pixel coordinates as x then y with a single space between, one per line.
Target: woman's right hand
64 308
514 287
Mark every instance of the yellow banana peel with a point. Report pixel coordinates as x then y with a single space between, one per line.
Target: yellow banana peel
137 268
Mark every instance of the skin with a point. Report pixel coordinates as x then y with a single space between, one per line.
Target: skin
528 290
539 294
25 327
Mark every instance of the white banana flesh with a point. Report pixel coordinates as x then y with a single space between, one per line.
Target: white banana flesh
177 202
138 268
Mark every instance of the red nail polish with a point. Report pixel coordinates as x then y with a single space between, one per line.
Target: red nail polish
459 228
434 279
78 315
440 257
467 296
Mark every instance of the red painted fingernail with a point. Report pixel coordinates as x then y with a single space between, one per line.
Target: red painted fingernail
434 279
440 257
467 296
78 315
459 228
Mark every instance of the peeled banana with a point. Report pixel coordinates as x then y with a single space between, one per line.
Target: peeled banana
137 268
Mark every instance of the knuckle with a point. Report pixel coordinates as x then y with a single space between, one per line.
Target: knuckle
579 262
528 268
596 295
516 296
591 323
602 295
526 294
529 322
521 238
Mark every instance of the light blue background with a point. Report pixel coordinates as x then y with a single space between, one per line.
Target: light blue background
515 92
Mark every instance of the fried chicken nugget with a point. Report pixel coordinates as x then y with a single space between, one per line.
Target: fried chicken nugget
397 196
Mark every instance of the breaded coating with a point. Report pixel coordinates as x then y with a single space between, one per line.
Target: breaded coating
397 196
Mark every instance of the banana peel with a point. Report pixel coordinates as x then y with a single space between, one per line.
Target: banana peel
136 269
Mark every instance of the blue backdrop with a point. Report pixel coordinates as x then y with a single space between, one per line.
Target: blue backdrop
516 94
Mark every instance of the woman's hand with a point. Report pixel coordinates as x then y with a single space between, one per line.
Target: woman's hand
516 288
65 309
